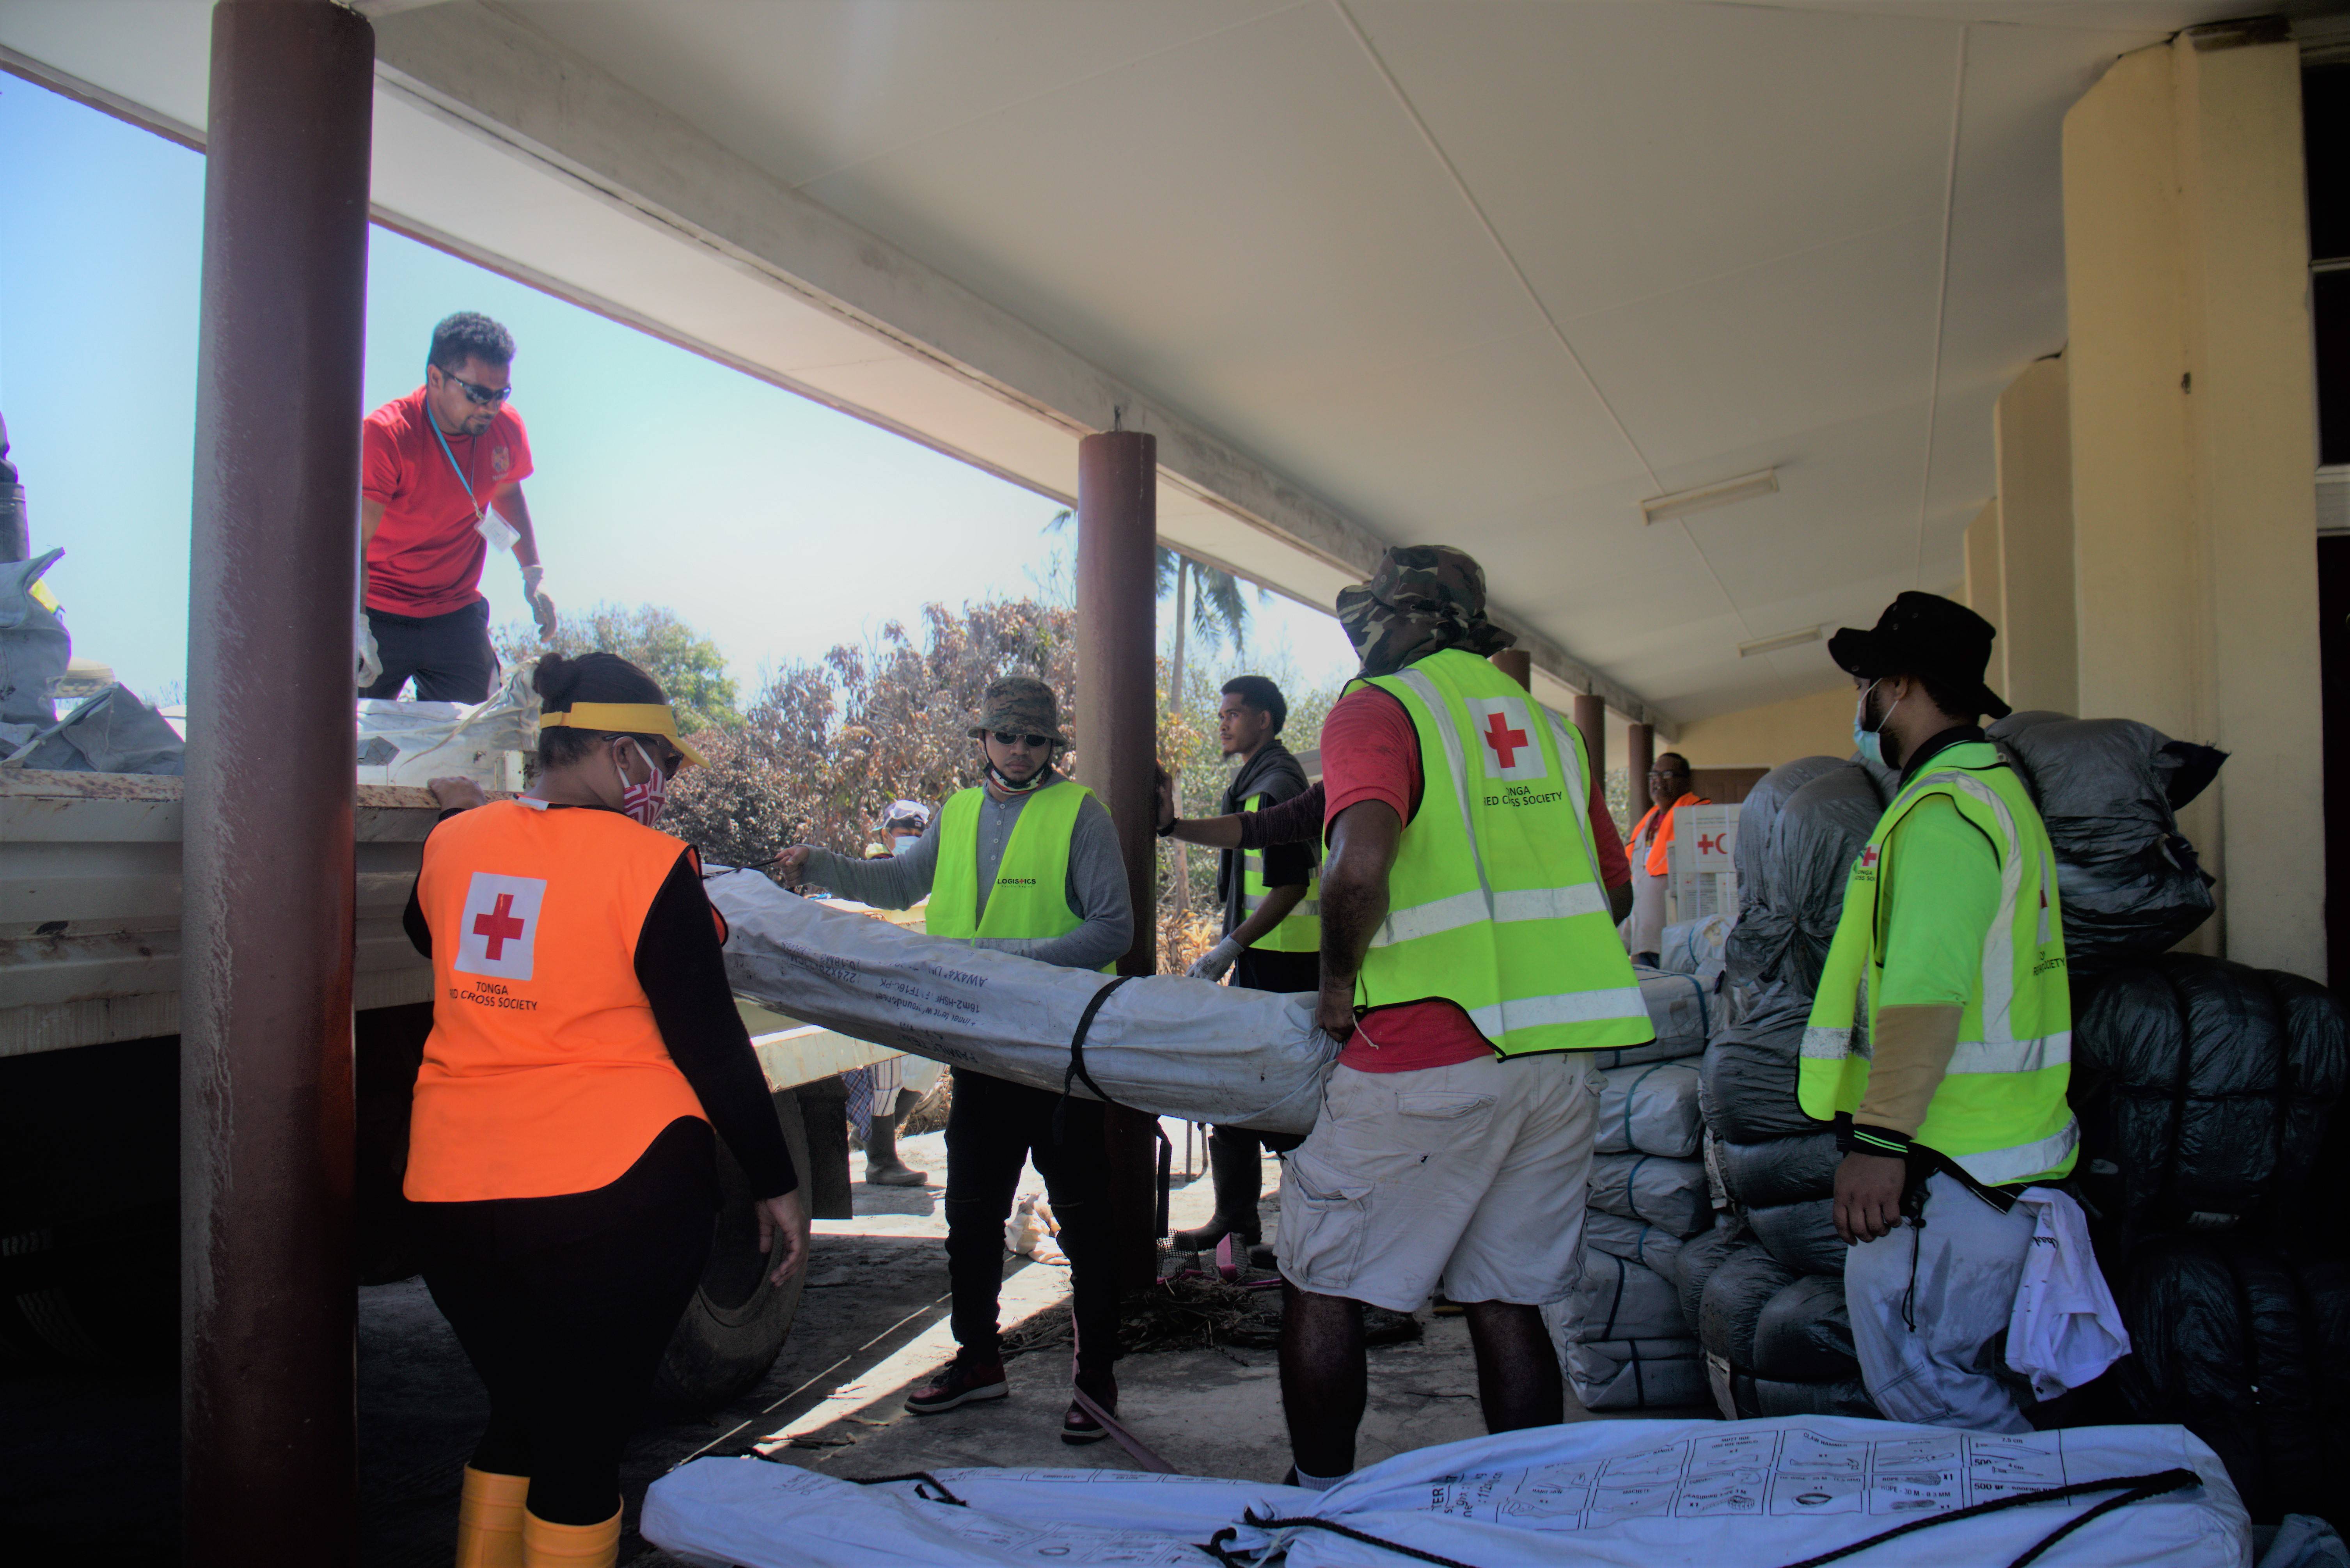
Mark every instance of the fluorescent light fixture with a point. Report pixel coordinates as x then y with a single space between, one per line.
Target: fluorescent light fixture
1683 502
1773 644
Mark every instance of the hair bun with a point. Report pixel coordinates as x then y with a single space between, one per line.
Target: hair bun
554 679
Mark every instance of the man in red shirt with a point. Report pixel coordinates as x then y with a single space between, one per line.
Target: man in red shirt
440 478
1441 1155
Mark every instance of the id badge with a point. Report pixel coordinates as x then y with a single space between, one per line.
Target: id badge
500 533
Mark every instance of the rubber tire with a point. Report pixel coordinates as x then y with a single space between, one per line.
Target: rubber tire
727 1339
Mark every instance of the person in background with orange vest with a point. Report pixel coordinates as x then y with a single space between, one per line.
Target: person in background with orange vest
561 1159
1650 847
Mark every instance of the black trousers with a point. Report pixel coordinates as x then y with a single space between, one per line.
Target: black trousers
564 1307
992 1130
449 655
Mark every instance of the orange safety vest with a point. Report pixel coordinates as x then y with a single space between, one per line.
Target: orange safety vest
544 1073
1658 862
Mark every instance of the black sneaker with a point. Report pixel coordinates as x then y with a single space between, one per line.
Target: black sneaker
960 1385
1078 1424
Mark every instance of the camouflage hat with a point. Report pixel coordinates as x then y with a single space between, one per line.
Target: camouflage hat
1019 705
1422 599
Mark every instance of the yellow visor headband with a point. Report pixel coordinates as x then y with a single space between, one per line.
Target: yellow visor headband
622 718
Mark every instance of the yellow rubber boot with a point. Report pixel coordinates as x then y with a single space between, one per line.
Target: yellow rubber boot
489 1520
546 1545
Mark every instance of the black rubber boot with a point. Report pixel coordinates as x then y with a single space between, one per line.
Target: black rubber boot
1233 1164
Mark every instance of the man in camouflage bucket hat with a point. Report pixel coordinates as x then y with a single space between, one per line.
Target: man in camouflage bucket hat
1019 705
1025 863
1455 1139
1423 599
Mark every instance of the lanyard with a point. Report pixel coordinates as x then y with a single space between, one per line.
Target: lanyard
462 477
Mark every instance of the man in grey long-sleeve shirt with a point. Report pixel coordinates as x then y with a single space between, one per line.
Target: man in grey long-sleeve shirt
1027 864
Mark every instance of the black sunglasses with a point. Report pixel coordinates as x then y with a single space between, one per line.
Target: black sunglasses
488 396
1003 739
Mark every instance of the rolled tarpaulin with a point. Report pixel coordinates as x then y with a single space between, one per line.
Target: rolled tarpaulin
1164 1044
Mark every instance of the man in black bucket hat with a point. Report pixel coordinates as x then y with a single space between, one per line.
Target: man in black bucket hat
1940 1035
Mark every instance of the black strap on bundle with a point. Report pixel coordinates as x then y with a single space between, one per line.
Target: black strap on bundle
2132 1488
1077 1072
921 1479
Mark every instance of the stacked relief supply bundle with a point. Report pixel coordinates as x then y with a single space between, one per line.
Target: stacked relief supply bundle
1764 1293
1620 1336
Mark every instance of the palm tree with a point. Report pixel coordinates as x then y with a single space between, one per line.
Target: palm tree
1219 611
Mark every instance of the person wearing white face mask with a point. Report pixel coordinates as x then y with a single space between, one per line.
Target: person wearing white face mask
1941 1029
562 1167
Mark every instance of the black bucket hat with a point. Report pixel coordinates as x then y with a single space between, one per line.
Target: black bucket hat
1926 635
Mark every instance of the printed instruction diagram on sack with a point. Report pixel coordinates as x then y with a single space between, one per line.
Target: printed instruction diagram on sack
1786 1474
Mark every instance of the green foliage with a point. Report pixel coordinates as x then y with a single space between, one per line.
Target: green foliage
687 665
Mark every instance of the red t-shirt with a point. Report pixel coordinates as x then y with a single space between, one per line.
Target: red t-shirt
1370 752
426 556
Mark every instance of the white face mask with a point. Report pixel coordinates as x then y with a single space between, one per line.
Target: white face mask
905 843
1870 742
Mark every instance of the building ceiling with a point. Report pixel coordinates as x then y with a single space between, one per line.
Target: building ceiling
1487 273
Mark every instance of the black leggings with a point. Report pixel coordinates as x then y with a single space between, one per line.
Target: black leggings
994 1127
564 1307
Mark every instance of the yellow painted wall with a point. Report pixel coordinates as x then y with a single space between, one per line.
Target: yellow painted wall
1986 588
1819 724
2038 632
2193 441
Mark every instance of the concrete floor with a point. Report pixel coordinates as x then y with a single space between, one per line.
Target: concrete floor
89 1465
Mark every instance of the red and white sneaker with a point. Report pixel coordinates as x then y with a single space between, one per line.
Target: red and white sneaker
962 1384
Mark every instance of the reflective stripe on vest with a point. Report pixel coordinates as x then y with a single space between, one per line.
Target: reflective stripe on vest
1300 930
2001 1110
1030 898
1496 903
546 1072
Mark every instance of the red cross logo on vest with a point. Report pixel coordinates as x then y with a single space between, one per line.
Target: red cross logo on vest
499 925
497 931
1506 743
1505 730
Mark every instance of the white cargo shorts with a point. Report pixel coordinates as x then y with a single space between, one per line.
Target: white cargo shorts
1471 1175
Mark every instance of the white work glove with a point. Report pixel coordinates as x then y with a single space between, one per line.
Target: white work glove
542 608
1211 964
371 658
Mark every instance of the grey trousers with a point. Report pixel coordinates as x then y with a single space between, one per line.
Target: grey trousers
1930 1310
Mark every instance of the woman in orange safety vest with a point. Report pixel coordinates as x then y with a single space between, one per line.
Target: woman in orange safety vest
561 1156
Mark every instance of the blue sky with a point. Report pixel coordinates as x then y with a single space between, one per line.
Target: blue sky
775 526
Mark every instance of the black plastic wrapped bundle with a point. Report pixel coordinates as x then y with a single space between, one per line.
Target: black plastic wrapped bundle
1746 1082
1805 1335
2204 1090
1697 1260
1734 1296
1764 921
1782 1171
2249 1348
2108 790
1815 838
1802 1235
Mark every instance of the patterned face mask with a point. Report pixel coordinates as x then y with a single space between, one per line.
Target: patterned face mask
643 802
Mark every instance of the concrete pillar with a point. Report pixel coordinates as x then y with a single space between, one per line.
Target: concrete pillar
2038 631
2193 443
1117 712
1640 756
1591 718
1986 586
268 1452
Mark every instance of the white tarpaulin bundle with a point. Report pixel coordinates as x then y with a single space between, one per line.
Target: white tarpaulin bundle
1619 1300
1649 1110
1600 1494
1671 1194
1160 1043
1638 1373
1633 1241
